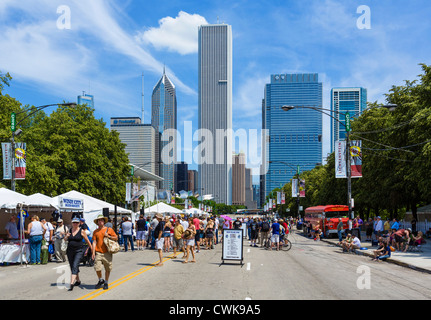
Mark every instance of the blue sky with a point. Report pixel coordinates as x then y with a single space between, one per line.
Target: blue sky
110 43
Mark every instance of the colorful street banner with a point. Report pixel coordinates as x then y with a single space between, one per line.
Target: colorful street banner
356 158
302 188
283 198
278 197
340 159
20 160
294 188
7 161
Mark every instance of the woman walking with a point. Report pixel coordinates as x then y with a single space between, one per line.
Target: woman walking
75 250
189 237
36 230
167 234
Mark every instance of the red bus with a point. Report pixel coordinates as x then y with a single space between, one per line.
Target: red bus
326 217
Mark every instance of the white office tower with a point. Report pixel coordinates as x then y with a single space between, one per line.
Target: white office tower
215 112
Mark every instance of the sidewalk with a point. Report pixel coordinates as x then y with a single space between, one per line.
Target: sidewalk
420 261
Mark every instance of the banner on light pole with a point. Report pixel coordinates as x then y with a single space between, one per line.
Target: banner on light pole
294 188
302 188
356 158
7 161
340 159
20 160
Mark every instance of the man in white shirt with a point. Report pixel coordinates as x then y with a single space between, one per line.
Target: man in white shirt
356 243
379 228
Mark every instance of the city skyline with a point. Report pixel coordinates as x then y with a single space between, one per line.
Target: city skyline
109 44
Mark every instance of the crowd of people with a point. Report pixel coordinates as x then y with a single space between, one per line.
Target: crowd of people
388 235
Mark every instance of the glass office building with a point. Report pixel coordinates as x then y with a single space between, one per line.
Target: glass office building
164 117
352 100
294 137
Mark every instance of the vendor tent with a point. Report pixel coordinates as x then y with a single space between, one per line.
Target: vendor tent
10 199
92 207
195 211
162 207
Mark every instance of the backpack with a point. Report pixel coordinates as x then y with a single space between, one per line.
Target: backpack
265 226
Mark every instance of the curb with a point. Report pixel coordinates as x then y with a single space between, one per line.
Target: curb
390 260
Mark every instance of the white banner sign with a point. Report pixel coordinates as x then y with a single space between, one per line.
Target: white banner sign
70 204
128 192
340 159
7 161
295 188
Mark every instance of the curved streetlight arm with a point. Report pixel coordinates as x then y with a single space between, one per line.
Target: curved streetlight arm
321 110
42 107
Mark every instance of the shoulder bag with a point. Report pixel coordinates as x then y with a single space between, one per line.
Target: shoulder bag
112 245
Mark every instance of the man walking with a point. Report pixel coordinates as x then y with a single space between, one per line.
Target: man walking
275 234
102 258
127 227
159 239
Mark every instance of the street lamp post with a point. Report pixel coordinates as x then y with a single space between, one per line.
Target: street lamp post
17 132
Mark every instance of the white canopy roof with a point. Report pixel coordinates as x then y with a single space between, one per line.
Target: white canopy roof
195 211
93 207
162 207
91 203
10 200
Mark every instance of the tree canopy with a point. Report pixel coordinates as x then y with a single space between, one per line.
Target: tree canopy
67 150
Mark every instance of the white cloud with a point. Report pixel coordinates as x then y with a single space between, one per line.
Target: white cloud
63 61
178 34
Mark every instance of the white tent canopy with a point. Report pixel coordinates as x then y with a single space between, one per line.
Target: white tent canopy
10 200
162 207
195 211
92 207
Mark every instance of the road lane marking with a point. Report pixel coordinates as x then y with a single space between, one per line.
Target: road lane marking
122 280
248 266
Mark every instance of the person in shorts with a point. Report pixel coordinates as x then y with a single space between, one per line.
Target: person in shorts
102 258
189 237
178 243
275 238
141 227
159 239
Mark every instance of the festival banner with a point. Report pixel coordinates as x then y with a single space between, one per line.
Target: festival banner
20 160
7 161
302 188
278 197
340 159
283 198
356 158
294 188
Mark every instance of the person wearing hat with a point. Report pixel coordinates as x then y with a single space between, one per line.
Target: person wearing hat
75 250
102 258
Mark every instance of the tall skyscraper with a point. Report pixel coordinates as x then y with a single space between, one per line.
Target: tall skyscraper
352 100
164 117
295 136
215 111
238 179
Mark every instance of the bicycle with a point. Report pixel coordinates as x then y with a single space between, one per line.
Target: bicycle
285 243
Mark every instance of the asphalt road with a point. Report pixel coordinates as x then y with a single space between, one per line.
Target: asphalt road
310 270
